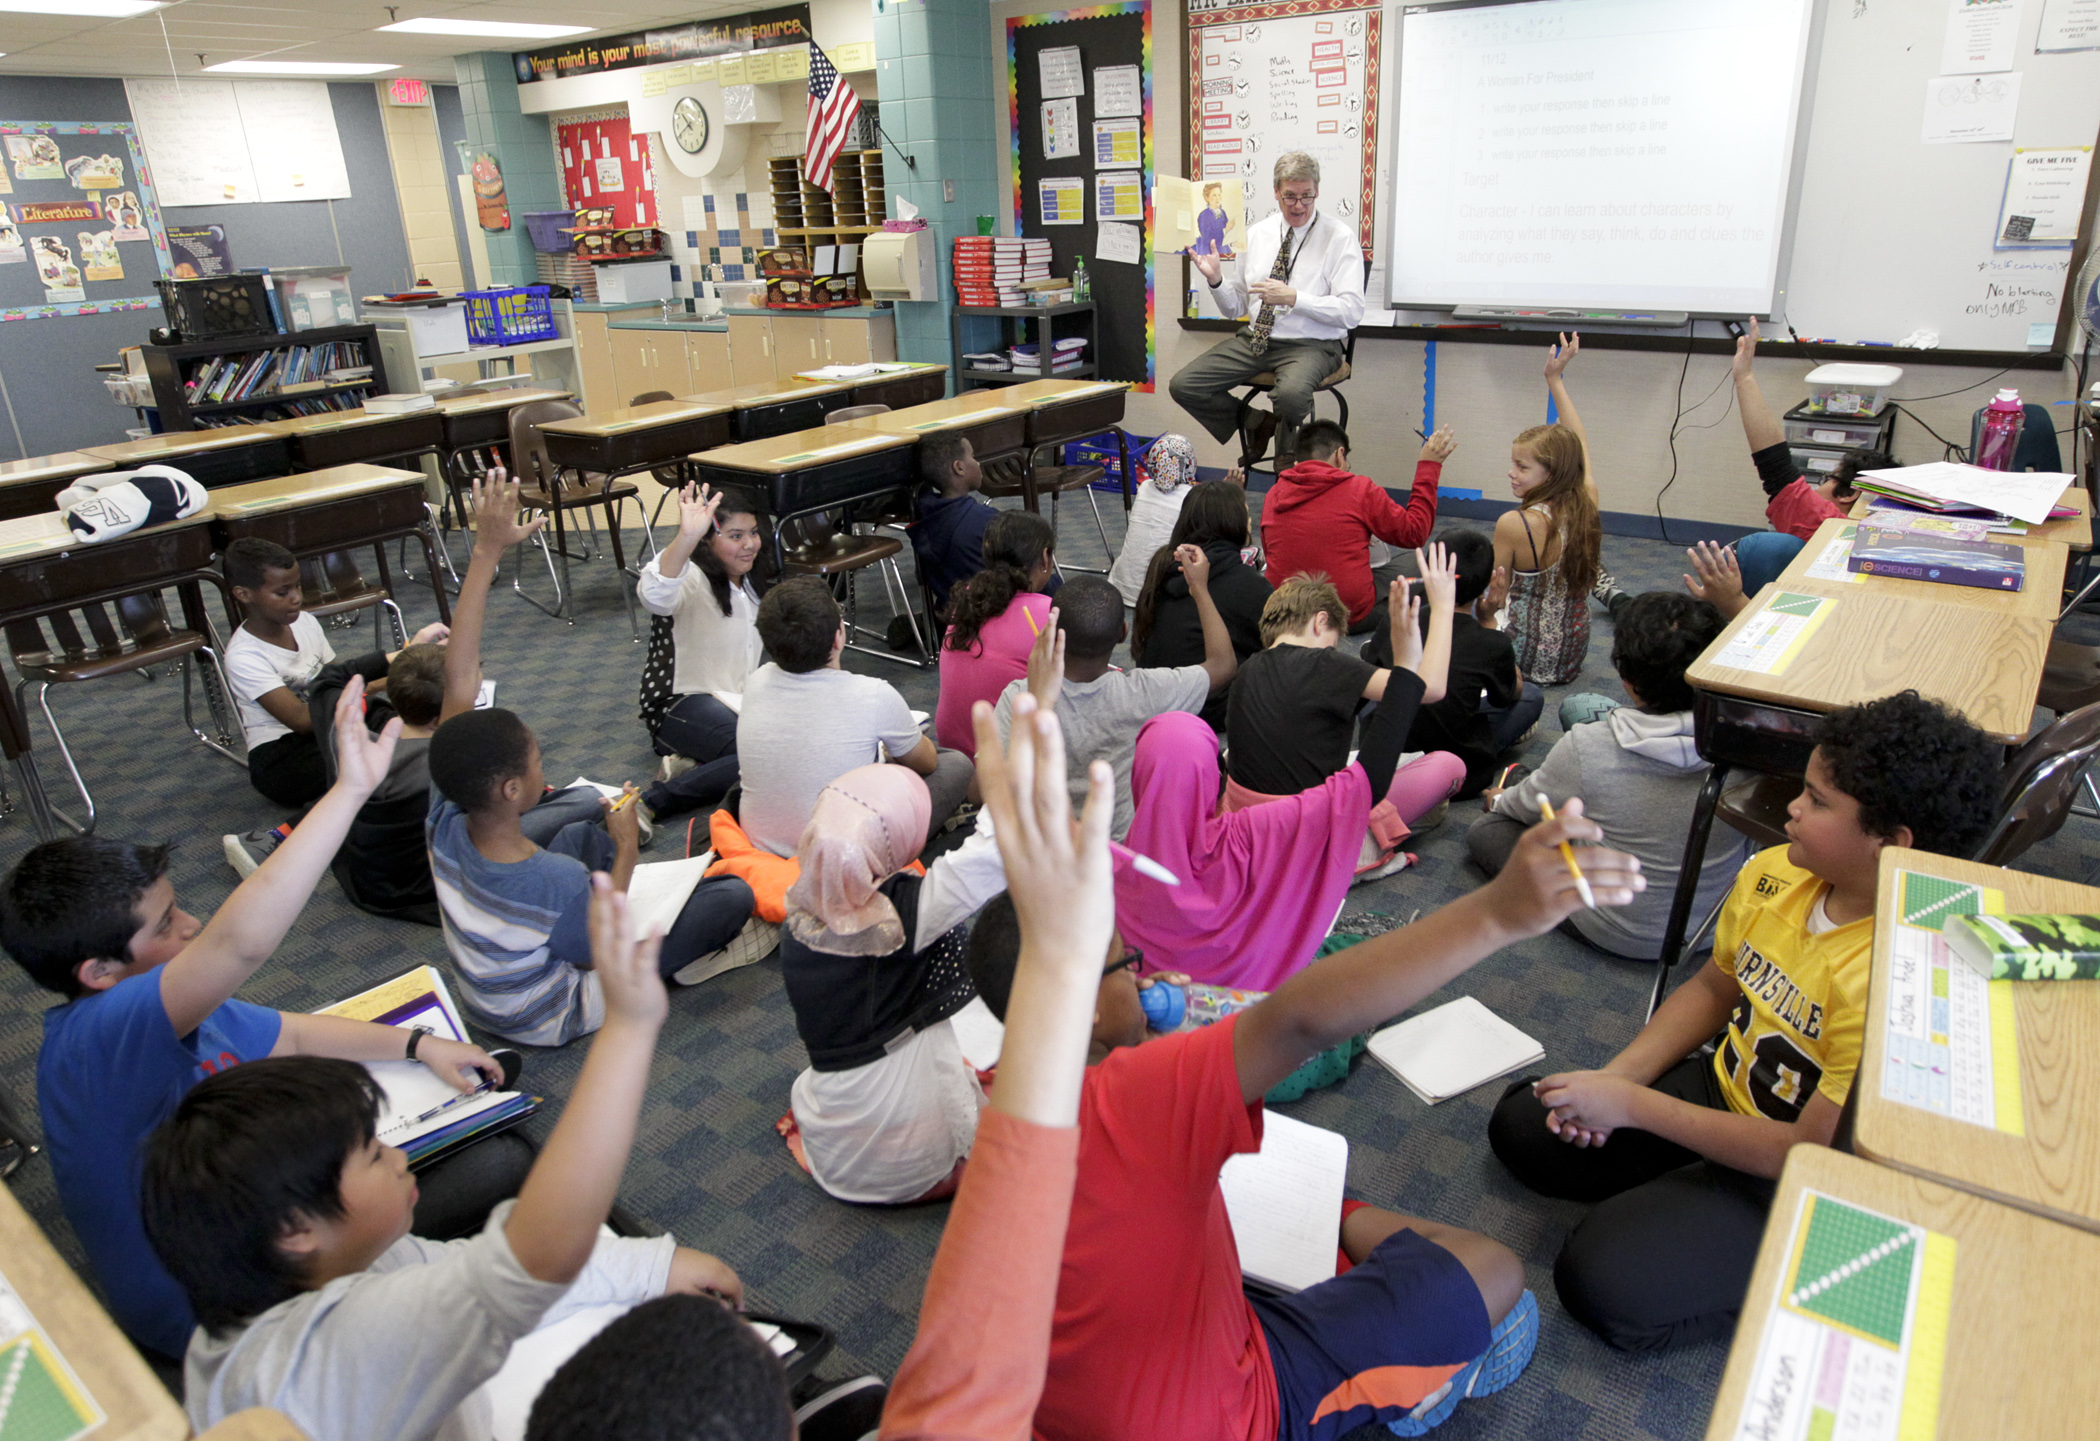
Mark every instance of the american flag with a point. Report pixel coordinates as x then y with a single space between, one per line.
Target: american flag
832 106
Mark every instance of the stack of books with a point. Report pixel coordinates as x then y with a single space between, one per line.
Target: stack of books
994 269
1949 550
1946 488
1067 355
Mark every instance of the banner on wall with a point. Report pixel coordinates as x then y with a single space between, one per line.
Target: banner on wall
786 26
82 225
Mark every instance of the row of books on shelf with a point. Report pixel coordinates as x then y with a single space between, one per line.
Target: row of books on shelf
1065 356
268 372
284 409
1001 269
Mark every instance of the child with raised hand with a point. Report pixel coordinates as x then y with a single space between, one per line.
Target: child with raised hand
1681 1151
1548 550
1154 1339
702 585
287 1220
149 1012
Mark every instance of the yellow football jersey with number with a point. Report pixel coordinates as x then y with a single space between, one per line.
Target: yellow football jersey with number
1796 1028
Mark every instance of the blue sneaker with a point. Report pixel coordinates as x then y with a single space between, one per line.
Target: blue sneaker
1508 1352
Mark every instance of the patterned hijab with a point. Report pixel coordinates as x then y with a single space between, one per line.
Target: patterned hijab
868 825
1171 462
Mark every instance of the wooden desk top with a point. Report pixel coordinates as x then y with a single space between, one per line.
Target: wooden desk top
48 534
769 392
288 492
1987 664
898 370
2075 531
973 407
336 420
63 466
2020 1286
116 1380
477 401
187 442
2041 595
800 449
2054 1168
1039 393
636 417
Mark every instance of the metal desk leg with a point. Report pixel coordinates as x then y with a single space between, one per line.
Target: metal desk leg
1687 880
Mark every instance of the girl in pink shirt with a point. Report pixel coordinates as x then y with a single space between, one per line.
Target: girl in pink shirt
997 615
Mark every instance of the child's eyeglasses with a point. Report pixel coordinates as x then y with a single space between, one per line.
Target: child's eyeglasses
1133 958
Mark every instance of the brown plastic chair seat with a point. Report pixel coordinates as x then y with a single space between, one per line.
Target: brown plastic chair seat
146 639
538 499
1757 808
1003 477
1267 379
840 552
61 666
2070 676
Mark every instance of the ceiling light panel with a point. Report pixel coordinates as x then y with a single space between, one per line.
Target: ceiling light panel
485 29
295 67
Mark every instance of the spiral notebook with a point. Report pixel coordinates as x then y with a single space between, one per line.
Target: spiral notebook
1450 1050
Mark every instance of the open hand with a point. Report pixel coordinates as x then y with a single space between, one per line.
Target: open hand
625 962
1404 608
1439 574
1438 445
1717 578
361 758
1745 351
496 521
1046 663
458 1064
1207 267
1536 891
1195 565
1558 356
696 510
1491 601
1236 475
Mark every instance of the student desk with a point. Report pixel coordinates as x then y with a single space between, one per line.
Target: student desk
2046 1090
637 437
768 408
2021 1288
812 470
2041 595
482 417
31 487
914 384
345 437
1060 411
343 508
1864 643
44 568
226 456
993 424
2076 531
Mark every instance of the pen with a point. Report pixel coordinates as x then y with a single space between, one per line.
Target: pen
1502 781
1567 853
444 1106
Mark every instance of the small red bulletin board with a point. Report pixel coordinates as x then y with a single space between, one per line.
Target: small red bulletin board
595 152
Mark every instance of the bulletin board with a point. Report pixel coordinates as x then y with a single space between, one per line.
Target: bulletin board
597 151
1111 36
83 232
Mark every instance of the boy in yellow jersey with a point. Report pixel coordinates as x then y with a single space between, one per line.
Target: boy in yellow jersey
1680 1148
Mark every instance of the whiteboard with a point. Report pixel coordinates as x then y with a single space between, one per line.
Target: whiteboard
1624 153
239 142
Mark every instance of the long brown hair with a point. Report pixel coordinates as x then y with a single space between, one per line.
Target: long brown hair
1014 544
1574 512
1215 510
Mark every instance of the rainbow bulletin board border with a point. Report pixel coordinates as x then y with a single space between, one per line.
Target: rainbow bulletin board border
1141 8
148 201
1225 13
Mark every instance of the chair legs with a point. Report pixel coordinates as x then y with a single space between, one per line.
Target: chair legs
226 726
17 1142
1107 549
34 783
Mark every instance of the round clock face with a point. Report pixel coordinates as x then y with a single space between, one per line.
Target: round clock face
689 125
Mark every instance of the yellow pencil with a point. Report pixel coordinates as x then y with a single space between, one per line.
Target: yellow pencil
1567 853
1030 615
628 796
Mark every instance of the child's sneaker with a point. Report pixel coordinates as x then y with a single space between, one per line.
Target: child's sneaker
753 943
247 853
1606 588
671 767
1508 1352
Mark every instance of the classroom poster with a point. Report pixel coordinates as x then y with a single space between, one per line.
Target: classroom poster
2045 194
2069 25
199 250
95 172
126 217
11 251
1062 199
491 203
1980 35
1967 109
98 255
1119 195
57 269
79 195
1060 129
1119 90
34 157
1119 141
1062 73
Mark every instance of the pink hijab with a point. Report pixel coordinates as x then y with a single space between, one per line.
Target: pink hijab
868 825
1259 887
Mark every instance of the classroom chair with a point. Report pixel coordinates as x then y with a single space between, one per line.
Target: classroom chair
671 477
1265 382
816 546
334 585
544 488
1019 475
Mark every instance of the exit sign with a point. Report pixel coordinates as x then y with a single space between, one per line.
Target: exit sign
407 92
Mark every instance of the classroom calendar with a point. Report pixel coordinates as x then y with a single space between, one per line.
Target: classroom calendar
1950 1042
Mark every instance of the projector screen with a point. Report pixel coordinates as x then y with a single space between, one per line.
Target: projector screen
1630 154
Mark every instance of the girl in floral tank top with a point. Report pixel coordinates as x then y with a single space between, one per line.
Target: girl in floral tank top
1547 550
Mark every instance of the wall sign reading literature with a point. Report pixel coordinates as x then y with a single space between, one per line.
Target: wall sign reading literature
80 226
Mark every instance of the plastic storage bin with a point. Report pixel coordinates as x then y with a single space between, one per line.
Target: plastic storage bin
434 329
1101 450
1832 429
129 389
509 317
314 297
218 307
550 229
1850 389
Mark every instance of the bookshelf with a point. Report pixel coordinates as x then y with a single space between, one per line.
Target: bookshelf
171 368
853 209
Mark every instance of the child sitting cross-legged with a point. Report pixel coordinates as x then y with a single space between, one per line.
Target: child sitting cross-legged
1639 769
515 912
947 539
271 1198
1166 628
1681 1151
993 620
1154 1339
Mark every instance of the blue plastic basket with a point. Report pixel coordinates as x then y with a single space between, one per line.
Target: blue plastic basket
509 317
1101 450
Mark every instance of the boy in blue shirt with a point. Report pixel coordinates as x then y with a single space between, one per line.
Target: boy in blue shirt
150 1012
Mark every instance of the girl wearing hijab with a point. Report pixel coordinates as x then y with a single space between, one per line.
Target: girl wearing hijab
1259 887
872 954
1170 469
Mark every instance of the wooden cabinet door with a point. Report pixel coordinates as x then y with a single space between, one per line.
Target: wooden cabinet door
751 349
594 361
707 359
668 370
853 341
798 343
633 370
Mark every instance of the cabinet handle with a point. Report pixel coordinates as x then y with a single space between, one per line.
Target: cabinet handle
765 344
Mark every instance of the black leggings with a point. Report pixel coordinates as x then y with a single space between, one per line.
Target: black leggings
289 770
1665 1256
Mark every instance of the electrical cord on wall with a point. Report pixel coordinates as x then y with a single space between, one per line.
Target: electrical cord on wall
1677 425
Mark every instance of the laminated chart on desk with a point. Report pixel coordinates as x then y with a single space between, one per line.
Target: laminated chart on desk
1776 632
1951 1044
1854 1347
1831 562
41 1399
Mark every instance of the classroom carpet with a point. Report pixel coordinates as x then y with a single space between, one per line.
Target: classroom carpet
707 1164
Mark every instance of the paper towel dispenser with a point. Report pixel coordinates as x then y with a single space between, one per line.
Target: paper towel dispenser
899 265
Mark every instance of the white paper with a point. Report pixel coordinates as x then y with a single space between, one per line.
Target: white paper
1285 1202
2047 191
980 1034
1062 200
659 890
1118 90
1118 142
2069 25
1061 72
2027 495
1960 109
1448 1051
1980 36
1060 129
1118 242
1119 195
220 142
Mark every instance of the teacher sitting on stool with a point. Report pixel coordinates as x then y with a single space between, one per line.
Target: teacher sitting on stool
1303 284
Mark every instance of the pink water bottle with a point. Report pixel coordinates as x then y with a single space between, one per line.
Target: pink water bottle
2002 420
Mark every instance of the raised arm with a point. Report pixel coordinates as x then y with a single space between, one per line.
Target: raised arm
1219 662
1760 427
696 517
247 929
1557 360
1440 587
1327 1003
496 529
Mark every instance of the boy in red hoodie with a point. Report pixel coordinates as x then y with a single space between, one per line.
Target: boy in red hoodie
1319 517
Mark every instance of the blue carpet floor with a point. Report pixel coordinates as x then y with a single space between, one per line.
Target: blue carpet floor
708 1166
